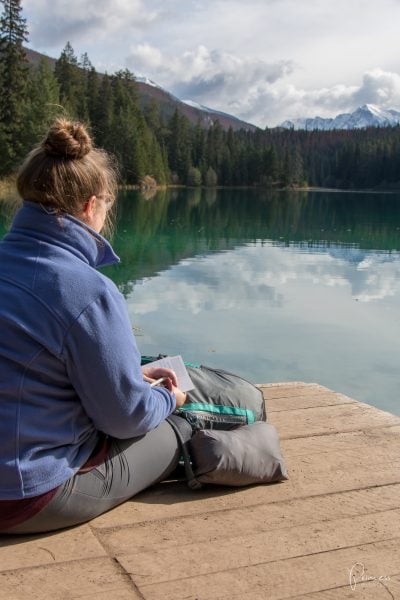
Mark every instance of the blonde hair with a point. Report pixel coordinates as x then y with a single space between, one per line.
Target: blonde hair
65 169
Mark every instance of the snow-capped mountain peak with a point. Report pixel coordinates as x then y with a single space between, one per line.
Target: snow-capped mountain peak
368 115
205 108
148 81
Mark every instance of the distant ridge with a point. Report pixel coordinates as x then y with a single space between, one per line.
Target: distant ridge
368 115
149 90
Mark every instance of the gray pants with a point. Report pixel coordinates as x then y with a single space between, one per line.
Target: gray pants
130 466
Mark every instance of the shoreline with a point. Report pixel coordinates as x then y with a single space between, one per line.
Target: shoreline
8 191
128 187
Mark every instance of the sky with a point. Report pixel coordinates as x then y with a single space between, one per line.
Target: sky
263 61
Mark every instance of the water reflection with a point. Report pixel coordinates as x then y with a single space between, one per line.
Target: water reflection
153 234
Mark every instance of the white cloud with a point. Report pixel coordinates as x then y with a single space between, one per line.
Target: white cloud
54 23
207 76
149 57
379 87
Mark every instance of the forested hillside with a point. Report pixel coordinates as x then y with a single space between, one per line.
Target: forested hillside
171 149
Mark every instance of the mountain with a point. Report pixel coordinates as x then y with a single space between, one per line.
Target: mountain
196 113
368 115
148 90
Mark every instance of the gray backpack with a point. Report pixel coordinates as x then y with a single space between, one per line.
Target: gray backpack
221 400
232 444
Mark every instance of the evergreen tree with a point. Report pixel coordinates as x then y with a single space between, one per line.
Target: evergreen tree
297 165
194 176
103 113
13 85
71 79
92 95
270 165
153 117
44 101
179 145
130 137
85 63
199 154
211 178
156 161
89 83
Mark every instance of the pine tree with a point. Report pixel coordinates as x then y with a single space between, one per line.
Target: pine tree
179 145
211 178
129 137
92 93
72 83
44 101
153 117
13 84
104 113
194 176
156 162
270 165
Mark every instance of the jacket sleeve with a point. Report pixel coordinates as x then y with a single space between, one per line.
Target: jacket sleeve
103 364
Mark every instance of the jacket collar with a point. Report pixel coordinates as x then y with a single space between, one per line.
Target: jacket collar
65 231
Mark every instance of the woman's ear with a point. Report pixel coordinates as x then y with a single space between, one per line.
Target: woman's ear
89 207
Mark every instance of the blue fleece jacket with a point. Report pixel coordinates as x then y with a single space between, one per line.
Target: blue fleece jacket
69 364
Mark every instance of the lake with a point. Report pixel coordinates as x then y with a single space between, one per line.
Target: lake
276 286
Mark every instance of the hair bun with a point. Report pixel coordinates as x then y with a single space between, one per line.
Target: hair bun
67 139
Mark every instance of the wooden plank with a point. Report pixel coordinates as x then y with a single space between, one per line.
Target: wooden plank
68 581
288 390
27 551
252 520
158 564
305 401
382 437
331 419
284 578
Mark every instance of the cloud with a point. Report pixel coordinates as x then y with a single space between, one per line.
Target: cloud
219 79
379 87
55 23
204 71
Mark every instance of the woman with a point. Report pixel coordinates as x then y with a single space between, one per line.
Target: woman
81 428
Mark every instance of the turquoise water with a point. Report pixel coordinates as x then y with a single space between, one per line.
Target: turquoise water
278 286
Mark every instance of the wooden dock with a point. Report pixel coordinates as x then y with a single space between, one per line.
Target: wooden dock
331 532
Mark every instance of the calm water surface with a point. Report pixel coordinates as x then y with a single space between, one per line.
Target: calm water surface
278 286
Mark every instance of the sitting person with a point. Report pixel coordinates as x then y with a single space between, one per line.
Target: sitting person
81 428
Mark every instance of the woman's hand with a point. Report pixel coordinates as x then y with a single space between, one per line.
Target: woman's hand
180 397
151 374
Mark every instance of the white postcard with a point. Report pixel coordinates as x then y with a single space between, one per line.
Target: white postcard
176 364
